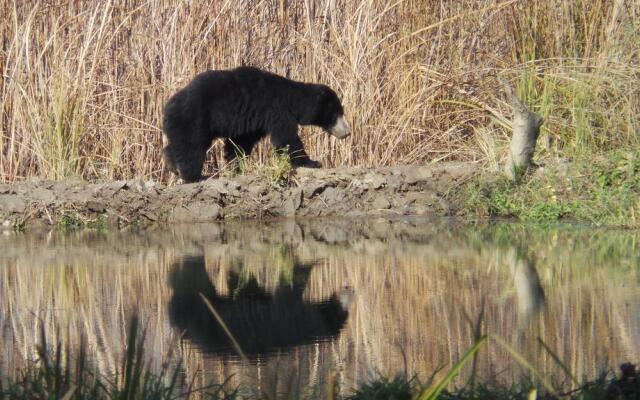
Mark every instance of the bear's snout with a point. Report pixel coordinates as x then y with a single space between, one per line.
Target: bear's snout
340 129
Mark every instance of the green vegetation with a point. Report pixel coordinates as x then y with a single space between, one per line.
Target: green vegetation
276 169
589 143
608 386
603 190
17 225
398 388
71 220
279 169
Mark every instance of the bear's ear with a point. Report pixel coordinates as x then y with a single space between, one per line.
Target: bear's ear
321 94
322 107
328 102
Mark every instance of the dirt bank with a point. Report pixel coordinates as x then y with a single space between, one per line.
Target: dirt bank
402 190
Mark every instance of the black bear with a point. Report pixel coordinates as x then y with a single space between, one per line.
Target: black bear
242 106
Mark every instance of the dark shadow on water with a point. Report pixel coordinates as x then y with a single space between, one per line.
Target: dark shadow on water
260 321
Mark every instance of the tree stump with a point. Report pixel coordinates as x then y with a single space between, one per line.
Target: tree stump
526 129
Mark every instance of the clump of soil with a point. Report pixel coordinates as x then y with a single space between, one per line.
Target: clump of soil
402 190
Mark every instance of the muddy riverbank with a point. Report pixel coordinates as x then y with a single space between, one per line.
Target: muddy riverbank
401 190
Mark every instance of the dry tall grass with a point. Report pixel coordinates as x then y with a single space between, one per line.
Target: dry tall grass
83 83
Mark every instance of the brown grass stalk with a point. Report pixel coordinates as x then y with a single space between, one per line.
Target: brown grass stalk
83 84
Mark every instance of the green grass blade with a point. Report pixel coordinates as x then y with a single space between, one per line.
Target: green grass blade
521 360
559 362
433 392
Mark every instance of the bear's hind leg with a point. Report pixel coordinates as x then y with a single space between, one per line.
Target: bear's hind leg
169 160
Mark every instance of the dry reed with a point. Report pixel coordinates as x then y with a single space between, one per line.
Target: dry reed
83 83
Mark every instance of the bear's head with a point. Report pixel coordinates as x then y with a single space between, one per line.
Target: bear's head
329 114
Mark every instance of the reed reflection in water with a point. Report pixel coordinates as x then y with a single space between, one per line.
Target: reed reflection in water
411 283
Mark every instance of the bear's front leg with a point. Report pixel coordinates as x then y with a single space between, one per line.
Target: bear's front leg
286 139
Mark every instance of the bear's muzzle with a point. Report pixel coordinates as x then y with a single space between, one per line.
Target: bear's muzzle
340 129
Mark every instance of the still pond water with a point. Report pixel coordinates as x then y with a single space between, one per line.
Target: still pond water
312 302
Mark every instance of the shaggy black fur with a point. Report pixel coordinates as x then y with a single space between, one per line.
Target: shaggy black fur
242 106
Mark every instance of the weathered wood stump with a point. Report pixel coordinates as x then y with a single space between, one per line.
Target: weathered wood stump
526 129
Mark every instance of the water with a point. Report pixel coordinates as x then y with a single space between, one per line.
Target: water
324 302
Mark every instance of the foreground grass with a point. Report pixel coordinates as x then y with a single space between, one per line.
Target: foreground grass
60 373
51 383
625 385
603 190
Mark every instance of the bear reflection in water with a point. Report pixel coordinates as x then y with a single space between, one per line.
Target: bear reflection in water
260 321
